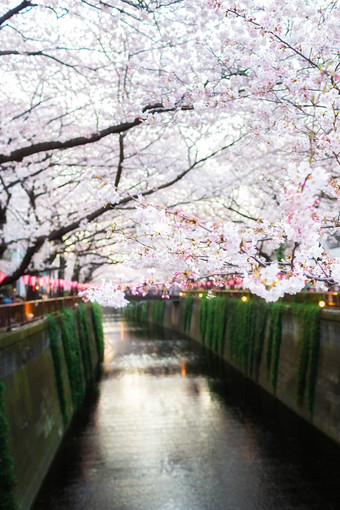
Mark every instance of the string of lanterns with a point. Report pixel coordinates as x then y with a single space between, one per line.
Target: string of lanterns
43 281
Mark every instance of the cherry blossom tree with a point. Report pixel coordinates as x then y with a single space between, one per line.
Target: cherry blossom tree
198 114
97 91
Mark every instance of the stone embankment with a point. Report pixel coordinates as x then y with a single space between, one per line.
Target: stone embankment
46 368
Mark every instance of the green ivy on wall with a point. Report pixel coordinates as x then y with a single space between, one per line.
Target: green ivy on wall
210 327
274 342
144 310
158 308
78 363
130 311
241 323
309 344
7 476
188 304
72 356
203 318
138 311
257 326
98 329
220 305
55 350
84 339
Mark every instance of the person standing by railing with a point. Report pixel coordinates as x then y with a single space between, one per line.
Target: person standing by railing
4 300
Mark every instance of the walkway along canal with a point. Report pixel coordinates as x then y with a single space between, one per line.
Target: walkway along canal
171 427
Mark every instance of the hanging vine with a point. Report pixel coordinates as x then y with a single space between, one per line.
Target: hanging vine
188 305
274 342
72 356
85 343
7 476
158 308
309 344
55 350
98 329
203 318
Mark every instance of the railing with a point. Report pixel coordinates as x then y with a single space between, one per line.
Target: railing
329 300
149 297
16 314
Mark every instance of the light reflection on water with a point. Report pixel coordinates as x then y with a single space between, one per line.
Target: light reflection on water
170 430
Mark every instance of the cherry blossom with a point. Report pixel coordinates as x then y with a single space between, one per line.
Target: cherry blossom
107 294
200 137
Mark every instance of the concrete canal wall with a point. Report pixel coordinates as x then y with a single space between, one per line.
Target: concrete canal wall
45 369
292 352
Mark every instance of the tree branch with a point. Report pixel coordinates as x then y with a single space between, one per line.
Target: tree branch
20 154
42 54
58 234
16 10
121 159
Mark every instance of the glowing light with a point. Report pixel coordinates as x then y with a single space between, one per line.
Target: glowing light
322 304
200 294
244 299
181 293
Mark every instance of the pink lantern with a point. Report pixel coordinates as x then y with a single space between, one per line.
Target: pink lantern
32 280
41 281
25 279
61 283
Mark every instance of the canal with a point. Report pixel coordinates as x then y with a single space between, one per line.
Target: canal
169 427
